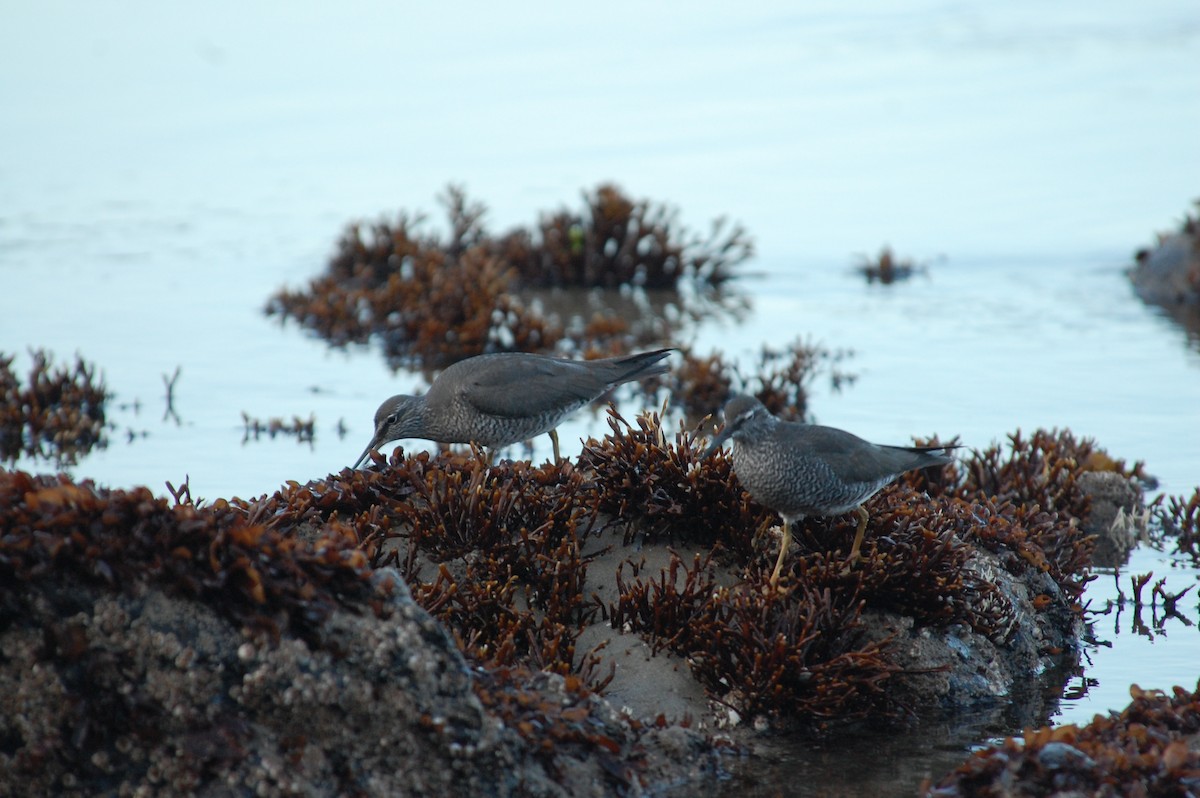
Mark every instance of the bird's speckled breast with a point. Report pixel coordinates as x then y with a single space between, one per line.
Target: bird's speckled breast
499 431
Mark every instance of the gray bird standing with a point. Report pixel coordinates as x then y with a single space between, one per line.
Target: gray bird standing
801 470
501 399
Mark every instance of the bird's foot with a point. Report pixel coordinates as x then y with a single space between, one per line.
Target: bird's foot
775 589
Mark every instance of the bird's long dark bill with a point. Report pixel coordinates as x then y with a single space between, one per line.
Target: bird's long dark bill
717 442
374 443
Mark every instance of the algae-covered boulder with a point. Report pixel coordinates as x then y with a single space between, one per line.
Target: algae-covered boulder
177 649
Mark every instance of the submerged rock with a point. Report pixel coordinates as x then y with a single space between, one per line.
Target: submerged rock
1169 273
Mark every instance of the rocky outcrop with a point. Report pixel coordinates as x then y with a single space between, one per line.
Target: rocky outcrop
116 680
1168 274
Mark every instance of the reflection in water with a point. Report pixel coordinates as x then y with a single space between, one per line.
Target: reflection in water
1162 604
649 316
254 429
169 410
882 763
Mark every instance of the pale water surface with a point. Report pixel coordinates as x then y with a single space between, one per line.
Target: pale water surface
163 170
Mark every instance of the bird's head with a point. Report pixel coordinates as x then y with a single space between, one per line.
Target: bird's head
742 413
398 417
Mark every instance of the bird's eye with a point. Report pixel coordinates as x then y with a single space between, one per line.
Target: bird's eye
390 420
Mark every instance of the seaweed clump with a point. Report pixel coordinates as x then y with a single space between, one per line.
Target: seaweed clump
887 268
255 577
802 655
1179 518
432 301
1033 500
58 415
655 489
781 380
429 301
492 552
515 536
617 241
1144 750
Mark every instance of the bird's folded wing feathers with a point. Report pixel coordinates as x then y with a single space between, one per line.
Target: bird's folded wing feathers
530 388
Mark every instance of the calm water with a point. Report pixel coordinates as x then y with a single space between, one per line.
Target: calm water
163 171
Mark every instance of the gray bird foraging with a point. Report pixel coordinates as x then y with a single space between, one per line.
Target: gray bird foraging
500 399
802 470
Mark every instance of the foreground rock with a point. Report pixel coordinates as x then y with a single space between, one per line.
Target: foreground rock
174 650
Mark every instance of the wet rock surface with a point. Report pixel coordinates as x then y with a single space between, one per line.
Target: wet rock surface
163 693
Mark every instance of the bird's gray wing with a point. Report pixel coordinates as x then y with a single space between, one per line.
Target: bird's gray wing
528 387
854 459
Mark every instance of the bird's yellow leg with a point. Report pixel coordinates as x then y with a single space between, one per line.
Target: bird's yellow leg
783 547
554 440
858 536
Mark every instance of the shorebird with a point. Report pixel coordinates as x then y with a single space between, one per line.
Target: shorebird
802 470
500 399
